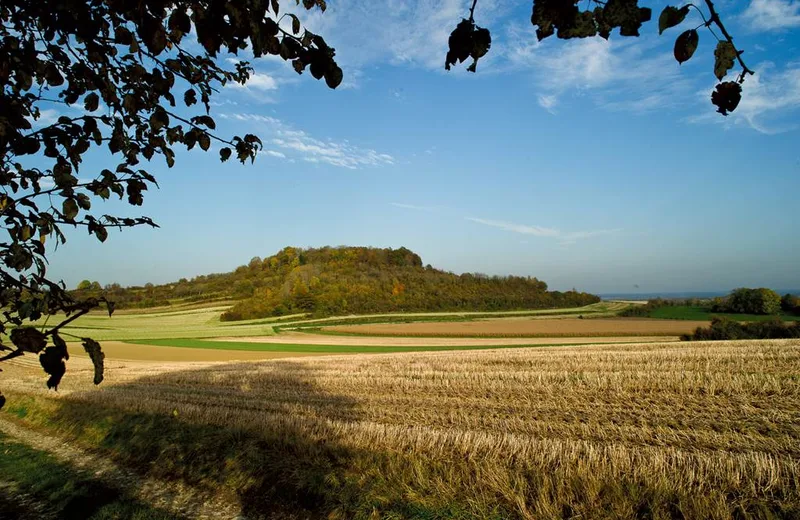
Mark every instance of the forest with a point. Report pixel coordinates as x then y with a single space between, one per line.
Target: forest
343 280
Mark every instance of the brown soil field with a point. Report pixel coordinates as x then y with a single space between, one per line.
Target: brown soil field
307 338
535 328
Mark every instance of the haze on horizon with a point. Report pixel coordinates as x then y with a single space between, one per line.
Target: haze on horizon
588 164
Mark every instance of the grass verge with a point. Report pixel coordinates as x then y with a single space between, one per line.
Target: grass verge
60 491
331 349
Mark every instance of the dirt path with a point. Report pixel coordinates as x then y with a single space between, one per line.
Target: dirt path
303 338
178 499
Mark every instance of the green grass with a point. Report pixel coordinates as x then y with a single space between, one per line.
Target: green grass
329 349
685 312
198 323
61 490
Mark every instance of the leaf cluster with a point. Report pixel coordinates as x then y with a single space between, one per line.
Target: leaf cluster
121 74
567 20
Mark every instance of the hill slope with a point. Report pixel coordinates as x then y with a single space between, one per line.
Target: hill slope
361 280
340 280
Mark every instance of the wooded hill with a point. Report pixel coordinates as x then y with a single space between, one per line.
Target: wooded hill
343 280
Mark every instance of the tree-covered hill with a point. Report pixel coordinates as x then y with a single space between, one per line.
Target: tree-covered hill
340 280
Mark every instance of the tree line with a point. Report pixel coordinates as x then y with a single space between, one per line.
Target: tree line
344 280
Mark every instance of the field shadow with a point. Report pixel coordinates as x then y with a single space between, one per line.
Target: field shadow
36 485
187 426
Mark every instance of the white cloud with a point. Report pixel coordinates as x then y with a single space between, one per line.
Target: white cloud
47 117
273 153
413 32
770 101
517 228
257 81
772 14
298 144
635 76
411 206
548 102
564 238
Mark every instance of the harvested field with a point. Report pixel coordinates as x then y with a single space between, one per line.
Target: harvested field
528 327
140 352
678 430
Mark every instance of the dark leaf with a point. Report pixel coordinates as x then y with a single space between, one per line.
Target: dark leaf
685 45
190 97
724 55
671 16
91 102
101 233
334 76
158 120
52 75
225 154
84 202
70 209
97 356
28 339
204 141
726 97
52 361
295 24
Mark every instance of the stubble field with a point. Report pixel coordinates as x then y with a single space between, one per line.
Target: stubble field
670 430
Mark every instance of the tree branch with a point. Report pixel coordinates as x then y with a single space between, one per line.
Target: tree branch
716 19
472 11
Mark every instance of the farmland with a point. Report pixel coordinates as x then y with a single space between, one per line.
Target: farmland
662 430
563 413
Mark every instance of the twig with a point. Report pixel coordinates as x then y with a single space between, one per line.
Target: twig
716 19
472 11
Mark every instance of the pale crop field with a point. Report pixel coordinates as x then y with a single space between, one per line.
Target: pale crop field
204 322
674 430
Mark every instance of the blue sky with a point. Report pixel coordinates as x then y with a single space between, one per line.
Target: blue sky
589 164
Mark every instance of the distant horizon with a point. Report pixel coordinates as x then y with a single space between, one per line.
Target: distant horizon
612 293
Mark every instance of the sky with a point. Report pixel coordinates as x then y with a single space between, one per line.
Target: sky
593 164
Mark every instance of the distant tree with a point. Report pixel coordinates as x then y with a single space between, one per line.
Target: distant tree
750 301
790 303
120 69
85 285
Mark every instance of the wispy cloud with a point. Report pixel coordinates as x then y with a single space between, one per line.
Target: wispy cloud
300 145
411 32
770 101
564 238
273 153
412 207
772 15
621 75
517 228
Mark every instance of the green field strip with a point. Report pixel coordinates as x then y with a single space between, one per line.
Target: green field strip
353 334
332 349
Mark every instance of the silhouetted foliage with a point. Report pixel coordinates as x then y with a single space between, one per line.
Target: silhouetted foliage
726 329
122 68
566 20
